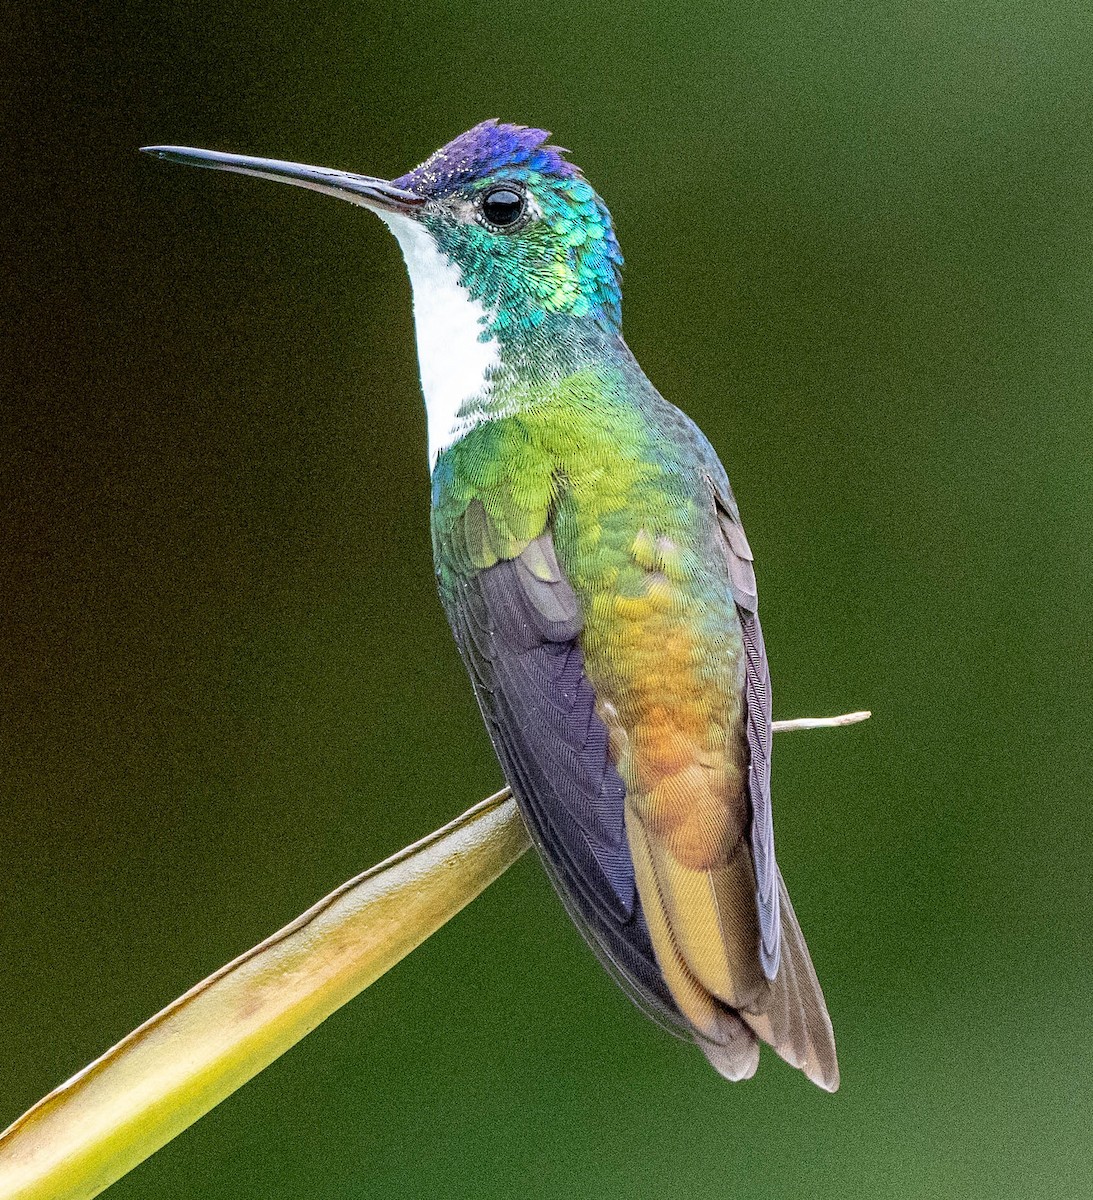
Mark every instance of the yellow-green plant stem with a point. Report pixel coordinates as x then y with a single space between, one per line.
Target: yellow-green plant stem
165 1075
175 1067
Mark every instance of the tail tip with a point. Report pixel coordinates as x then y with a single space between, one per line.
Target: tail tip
734 1060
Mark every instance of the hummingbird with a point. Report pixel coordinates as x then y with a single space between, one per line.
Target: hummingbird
594 569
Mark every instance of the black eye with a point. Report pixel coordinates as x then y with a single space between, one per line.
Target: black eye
503 206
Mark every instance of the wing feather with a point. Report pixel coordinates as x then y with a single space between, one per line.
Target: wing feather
792 1017
757 699
517 624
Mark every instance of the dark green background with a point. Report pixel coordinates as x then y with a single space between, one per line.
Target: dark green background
860 254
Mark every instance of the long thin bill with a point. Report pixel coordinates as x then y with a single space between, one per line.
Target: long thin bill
357 189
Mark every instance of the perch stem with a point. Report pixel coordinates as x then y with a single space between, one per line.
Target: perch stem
171 1070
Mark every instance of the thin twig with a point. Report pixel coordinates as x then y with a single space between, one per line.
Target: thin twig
821 722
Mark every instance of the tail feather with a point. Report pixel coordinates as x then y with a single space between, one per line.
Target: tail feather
788 1012
711 914
731 1047
794 1020
735 1053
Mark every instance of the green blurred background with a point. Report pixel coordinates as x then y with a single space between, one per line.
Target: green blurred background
859 253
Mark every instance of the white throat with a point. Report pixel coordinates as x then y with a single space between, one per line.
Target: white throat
455 366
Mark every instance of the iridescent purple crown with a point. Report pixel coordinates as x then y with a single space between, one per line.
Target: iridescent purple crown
481 151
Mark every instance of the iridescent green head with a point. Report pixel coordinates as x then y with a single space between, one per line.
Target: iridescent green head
532 239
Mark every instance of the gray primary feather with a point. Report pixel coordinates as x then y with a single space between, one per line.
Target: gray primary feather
517 625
